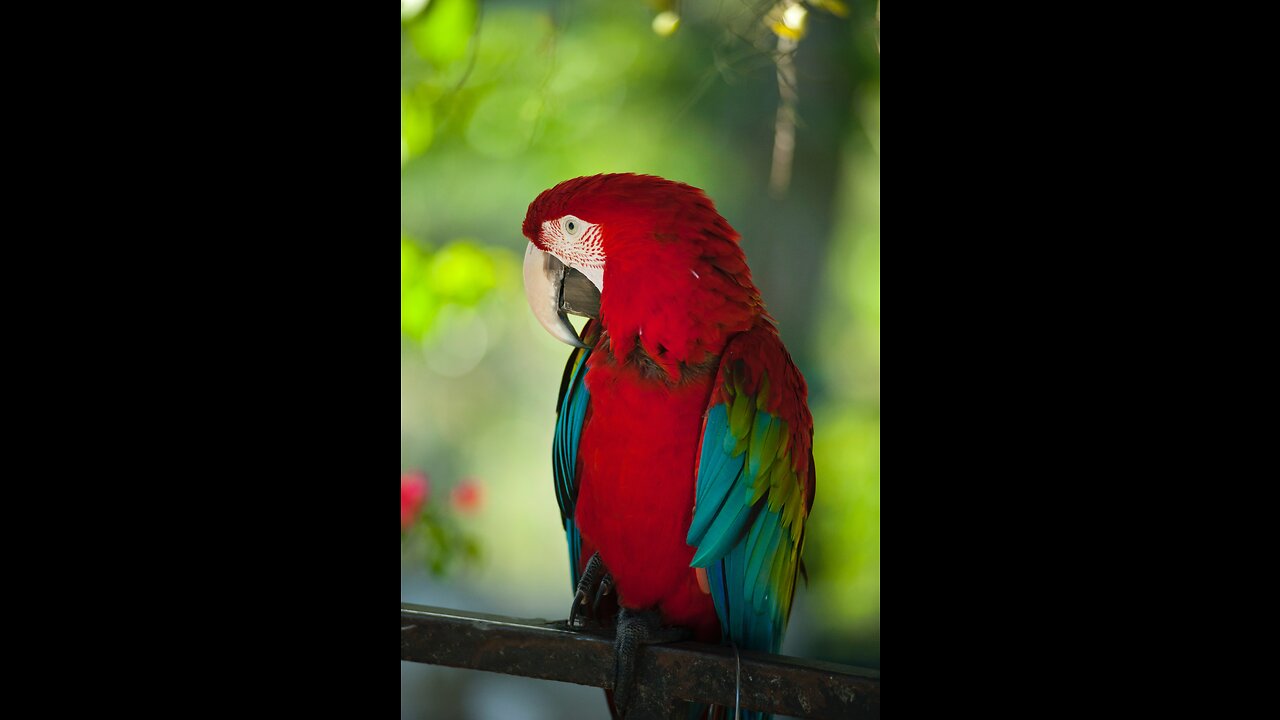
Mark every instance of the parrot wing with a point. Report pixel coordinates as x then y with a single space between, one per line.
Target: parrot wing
571 412
755 483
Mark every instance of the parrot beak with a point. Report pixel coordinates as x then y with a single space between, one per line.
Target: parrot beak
553 290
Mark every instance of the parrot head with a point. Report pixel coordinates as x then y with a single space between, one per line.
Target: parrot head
650 258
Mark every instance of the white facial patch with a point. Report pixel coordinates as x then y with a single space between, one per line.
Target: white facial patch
578 244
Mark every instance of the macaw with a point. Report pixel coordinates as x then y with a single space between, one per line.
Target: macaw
682 452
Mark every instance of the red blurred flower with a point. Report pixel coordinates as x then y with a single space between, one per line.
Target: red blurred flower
467 496
414 490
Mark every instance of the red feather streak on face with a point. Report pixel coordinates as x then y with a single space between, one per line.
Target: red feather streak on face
677 288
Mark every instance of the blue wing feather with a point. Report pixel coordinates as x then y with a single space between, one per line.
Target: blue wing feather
718 475
571 409
712 462
764 547
726 529
745 504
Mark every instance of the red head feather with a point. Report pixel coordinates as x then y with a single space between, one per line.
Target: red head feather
676 282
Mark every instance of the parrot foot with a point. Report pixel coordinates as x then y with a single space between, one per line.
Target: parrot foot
636 628
594 585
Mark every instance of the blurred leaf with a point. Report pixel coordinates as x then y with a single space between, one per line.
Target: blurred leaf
835 7
461 272
845 543
409 9
788 19
418 304
417 310
471 549
442 33
458 340
517 45
665 23
417 126
502 125
436 538
410 260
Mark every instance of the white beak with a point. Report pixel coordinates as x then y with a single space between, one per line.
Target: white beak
543 276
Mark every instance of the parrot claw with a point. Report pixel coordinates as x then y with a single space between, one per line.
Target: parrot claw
594 584
636 628
606 587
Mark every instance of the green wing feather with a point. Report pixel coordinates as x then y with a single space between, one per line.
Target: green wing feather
753 494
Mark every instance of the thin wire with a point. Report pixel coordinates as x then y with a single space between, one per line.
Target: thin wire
737 679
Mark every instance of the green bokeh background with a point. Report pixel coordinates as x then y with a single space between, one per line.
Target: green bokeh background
501 101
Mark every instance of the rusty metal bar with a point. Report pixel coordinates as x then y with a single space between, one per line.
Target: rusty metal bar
685 671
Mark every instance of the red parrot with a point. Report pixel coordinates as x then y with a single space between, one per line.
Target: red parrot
682 453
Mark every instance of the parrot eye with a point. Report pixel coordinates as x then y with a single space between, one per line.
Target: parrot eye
572 225
577 244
